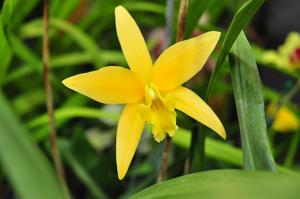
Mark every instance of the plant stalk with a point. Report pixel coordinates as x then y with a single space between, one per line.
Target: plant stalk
165 159
179 37
49 101
290 94
184 4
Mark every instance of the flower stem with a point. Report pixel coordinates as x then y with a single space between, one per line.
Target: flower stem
165 159
292 150
179 36
293 91
49 101
181 20
296 138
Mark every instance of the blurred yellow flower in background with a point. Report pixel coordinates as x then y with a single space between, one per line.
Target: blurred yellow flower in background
150 91
288 54
285 120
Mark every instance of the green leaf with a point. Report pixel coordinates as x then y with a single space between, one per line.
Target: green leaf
82 173
7 10
230 154
71 112
195 11
5 54
144 7
27 169
34 28
22 51
247 90
226 184
238 23
77 58
24 8
5 50
25 53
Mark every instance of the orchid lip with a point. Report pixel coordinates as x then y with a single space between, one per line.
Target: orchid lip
159 111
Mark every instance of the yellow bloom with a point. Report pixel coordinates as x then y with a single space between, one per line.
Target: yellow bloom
285 120
288 54
150 91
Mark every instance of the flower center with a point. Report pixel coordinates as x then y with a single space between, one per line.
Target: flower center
159 111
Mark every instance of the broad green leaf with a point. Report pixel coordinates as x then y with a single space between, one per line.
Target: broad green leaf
226 184
27 169
238 23
247 90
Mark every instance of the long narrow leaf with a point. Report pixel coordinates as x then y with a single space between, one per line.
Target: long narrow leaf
238 23
249 102
27 169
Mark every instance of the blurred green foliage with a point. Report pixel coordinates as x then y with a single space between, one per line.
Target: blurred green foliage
83 38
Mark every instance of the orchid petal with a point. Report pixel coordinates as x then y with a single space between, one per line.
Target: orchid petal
183 60
129 132
110 85
191 104
133 44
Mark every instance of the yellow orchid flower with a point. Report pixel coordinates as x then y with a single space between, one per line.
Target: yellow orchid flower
288 54
150 91
285 120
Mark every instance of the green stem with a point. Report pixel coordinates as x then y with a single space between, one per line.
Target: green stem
284 100
292 150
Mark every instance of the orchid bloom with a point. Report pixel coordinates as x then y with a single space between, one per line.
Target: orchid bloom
288 54
285 120
150 91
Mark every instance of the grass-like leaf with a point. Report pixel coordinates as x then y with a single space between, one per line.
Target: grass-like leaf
238 23
27 169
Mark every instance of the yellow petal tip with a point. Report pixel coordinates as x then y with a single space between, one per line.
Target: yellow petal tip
121 171
222 133
216 33
121 176
66 82
119 9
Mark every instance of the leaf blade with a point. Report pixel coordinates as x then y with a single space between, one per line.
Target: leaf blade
225 184
26 168
247 90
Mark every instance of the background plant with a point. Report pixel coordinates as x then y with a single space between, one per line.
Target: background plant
82 38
